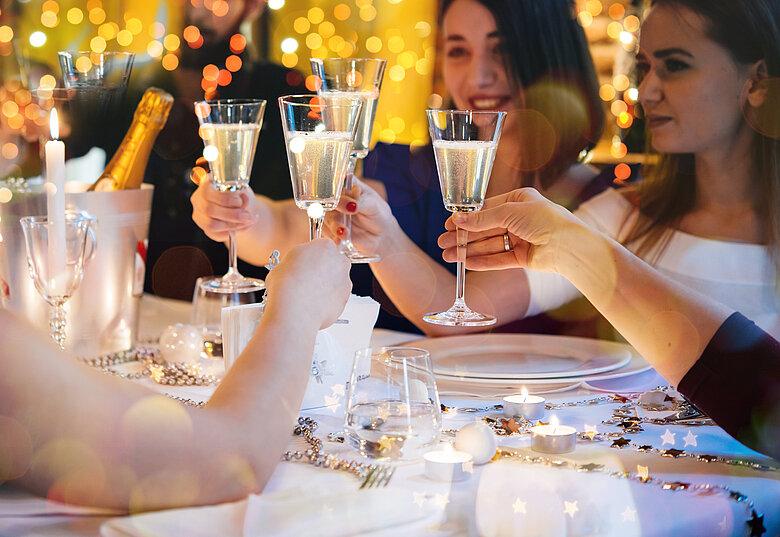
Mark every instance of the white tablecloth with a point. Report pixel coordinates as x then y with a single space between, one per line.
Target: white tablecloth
500 498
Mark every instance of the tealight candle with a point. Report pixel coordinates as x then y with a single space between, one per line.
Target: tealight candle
553 438
447 464
530 407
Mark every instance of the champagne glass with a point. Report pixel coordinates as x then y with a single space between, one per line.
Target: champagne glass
464 143
230 129
56 261
360 78
319 132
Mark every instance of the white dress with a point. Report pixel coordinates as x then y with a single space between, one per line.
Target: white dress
738 275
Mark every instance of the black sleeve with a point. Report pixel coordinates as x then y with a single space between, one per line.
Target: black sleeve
736 381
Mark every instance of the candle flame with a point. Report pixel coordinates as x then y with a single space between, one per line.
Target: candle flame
554 423
524 393
54 124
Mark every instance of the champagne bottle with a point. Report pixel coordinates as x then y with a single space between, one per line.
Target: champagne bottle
127 166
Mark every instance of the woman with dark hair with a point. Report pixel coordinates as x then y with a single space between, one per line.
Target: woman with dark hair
708 215
526 57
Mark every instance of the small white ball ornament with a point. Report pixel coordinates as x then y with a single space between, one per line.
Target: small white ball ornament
478 440
181 343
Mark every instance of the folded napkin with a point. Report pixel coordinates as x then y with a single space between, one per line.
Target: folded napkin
334 348
321 512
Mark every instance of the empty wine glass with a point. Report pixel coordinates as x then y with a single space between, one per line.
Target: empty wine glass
359 78
393 407
56 261
464 143
319 132
230 129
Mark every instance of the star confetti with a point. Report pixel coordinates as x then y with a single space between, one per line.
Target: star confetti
620 443
620 398
690 439
674 453
519 506
590 467
756 524
591 431
338 389
419 499
642 471
675 485
644 447
441 500
510 425
628 514
707 458
668 437
570 508
723 525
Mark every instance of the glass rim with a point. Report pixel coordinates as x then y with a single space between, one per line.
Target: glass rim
339 58
90 52
383 349
70 214
464 112
288 99
231 102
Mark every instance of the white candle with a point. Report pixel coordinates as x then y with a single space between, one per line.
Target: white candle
447 464
553 438
530 407
55 205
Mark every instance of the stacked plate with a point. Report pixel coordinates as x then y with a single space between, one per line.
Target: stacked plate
502 363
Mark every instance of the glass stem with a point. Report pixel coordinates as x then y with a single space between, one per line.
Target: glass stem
315 227
347 187
460 287
232 273
57 323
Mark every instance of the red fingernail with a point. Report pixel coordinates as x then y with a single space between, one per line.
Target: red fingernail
341 230
352 206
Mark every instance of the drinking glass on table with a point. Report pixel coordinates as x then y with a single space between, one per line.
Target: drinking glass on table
359 78
393 409
230 129
464 144
319 132
56 254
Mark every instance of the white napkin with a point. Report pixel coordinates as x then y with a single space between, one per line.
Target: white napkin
334 348
321 512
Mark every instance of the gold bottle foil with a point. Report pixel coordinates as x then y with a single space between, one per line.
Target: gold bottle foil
127 166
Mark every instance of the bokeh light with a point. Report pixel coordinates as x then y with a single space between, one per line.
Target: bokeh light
75 15
37 39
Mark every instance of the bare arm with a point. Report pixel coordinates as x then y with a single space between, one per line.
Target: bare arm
416 283
83 437
667 323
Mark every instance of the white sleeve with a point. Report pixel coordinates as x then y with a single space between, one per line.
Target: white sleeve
547 291
609 213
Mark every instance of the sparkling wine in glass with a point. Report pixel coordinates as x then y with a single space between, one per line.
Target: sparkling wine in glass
464 143
230 129
57 269
319 132
359 78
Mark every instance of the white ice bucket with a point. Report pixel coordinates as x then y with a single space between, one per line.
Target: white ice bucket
102 316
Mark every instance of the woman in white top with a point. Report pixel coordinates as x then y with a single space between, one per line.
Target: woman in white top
708 213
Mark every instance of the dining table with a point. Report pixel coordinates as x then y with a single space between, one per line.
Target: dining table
629 474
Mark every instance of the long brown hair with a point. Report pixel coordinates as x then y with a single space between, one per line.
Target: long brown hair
749 32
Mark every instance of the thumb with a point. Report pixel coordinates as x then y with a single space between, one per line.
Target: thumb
496 217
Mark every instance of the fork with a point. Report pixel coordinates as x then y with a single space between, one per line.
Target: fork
378 476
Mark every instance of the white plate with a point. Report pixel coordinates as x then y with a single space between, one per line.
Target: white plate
522 356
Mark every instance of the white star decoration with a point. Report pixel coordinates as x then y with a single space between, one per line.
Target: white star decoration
419 499
519 506
441 500
591 431
338 389
668 437
570 508
723 525
628 514
690 439
642 471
